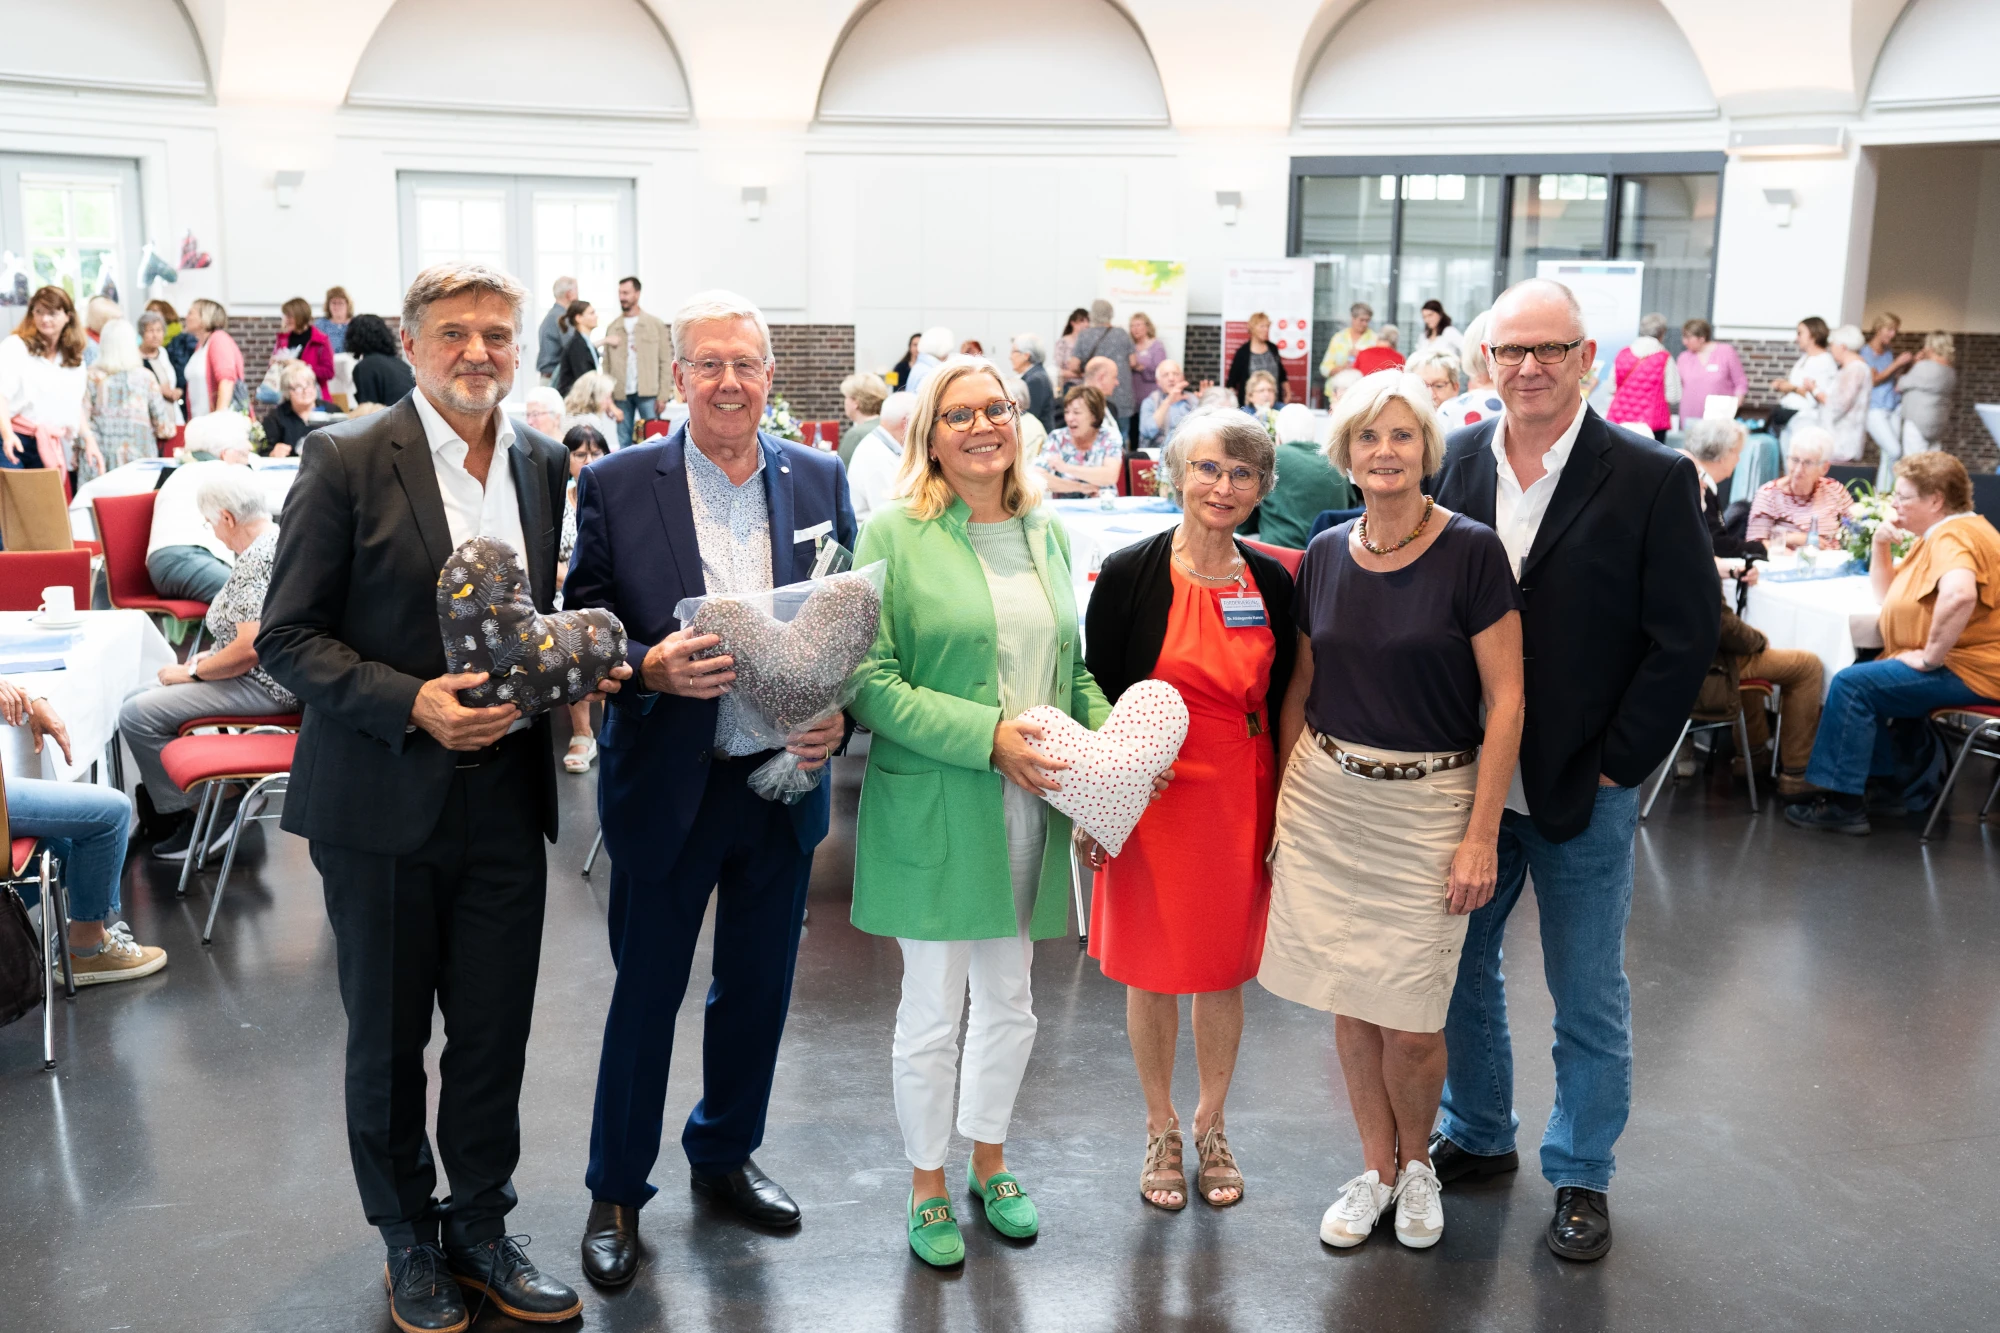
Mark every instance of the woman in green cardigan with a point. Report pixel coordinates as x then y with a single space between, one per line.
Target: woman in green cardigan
957 855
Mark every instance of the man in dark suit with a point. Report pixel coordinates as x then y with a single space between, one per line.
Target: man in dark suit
1619 622
426 817
717 506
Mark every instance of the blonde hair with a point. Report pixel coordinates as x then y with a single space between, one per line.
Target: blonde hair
589 394
1940 345
297 372
213 317
867 391
1365 401
118 346
923 481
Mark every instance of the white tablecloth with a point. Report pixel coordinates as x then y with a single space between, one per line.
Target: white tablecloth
277 474
1095 532
113 651
1829 618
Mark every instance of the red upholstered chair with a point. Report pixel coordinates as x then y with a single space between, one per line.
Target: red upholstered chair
171 446
1138 476
650 429
263 759
23 575
1288 556
1979 724
125 526
243 722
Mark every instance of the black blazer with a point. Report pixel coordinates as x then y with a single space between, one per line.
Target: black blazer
1127 620
578 359
1725 539
350 624
1620 611
284 426
381 378
1238 378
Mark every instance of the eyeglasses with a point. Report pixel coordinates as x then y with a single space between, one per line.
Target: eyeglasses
1549 354
998 412
1239 478
710 368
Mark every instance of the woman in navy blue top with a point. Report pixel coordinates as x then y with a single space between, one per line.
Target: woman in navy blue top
1401 722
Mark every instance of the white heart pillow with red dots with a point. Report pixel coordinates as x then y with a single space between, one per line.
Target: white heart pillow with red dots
1109 781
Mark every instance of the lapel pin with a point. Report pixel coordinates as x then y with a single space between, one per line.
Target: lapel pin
787 471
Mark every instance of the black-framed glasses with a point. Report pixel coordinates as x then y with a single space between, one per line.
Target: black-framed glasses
1239 477
998 413
710 368
1549 354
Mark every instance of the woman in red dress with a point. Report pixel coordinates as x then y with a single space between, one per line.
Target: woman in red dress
1180 911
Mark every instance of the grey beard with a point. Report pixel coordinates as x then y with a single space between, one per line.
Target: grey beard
458 400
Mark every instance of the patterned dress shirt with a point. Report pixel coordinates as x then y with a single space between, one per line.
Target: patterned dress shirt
732 528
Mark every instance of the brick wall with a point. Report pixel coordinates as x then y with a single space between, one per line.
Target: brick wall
812 361
1978 363
257 336
1202 360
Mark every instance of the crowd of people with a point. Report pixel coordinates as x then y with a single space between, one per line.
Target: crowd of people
1381 749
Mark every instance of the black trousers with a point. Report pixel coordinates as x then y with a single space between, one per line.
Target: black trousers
456 923
743 849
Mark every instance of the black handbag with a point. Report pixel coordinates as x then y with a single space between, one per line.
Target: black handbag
21 961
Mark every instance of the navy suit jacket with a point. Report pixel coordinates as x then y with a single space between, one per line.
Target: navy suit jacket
1621 611
636 555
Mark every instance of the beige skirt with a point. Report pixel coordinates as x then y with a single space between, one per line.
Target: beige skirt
1358 924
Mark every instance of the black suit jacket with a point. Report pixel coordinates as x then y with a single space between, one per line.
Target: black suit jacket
1620 613
576 360
1127 621
351 627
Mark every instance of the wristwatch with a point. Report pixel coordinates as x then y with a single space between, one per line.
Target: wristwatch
193 662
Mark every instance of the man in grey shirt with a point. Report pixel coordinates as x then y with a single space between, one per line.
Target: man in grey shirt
549 337
1101 339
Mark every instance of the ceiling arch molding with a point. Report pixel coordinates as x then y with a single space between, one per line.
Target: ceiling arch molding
126 46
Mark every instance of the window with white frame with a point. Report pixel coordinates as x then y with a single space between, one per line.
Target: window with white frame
69 222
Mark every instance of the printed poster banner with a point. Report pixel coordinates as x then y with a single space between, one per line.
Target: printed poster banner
1155 287
1611 292
1282 289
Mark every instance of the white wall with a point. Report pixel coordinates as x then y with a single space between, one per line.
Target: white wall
1936 255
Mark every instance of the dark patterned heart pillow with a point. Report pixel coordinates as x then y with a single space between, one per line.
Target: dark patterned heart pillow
791 672
490 624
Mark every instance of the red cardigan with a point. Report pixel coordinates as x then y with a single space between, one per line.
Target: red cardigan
317 353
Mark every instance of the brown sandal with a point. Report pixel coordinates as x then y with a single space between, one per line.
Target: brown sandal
1163 1172
1218 1167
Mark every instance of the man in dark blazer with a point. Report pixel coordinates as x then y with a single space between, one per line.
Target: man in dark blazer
717 506
425 817
1620 615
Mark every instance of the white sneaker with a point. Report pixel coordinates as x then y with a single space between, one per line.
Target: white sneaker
1419 1210
1356 1211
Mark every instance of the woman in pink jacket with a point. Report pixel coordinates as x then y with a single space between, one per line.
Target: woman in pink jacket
309 344
1646 380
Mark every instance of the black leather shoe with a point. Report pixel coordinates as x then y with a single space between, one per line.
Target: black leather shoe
422 1296
1581 1228
751 1195
1452 1162
498 1270
611 1243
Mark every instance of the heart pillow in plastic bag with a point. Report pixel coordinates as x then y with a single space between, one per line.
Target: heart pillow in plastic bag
1109 781
490 624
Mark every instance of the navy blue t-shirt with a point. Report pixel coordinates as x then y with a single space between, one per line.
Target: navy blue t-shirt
1392 653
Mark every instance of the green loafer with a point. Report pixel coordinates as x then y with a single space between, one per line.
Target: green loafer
934 1234
1008 1207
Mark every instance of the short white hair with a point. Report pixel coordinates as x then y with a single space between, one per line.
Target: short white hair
1444 361
1240 435
118 345
1030 346
1849 336
1815 442
564 286
1472 362
717 306
546 398
215 432
1360 405
1297 425
898 406
937 341
1017 389
1712 440
1343 380
235 489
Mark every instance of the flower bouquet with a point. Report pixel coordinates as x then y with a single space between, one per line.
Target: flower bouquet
1871 508
778 420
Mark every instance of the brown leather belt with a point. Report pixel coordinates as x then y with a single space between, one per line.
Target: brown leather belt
1393 770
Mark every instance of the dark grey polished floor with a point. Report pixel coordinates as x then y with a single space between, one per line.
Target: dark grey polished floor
1812 1144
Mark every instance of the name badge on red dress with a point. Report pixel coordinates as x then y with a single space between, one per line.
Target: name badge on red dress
1243 611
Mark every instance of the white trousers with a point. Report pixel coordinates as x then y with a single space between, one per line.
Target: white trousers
999 1036
1886 429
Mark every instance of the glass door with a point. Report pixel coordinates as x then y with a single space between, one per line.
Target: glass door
1556 217
1669 222
1450 225
1346 226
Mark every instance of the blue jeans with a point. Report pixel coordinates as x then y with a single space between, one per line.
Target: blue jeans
88 826
628 429
1583 889
191 573
1854 742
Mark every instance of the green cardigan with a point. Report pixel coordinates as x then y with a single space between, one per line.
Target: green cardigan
930 859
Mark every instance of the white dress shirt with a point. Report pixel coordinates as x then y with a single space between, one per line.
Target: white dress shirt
1517 516
470 509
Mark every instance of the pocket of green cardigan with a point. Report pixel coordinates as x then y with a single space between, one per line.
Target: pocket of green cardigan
903 818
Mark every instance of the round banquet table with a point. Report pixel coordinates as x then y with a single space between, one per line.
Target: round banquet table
1095 532
104 659
1829 618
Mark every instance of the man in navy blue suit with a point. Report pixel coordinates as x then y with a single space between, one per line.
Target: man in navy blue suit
718 506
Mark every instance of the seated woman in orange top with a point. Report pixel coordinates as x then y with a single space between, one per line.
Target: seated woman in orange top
1181 909
1940 649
